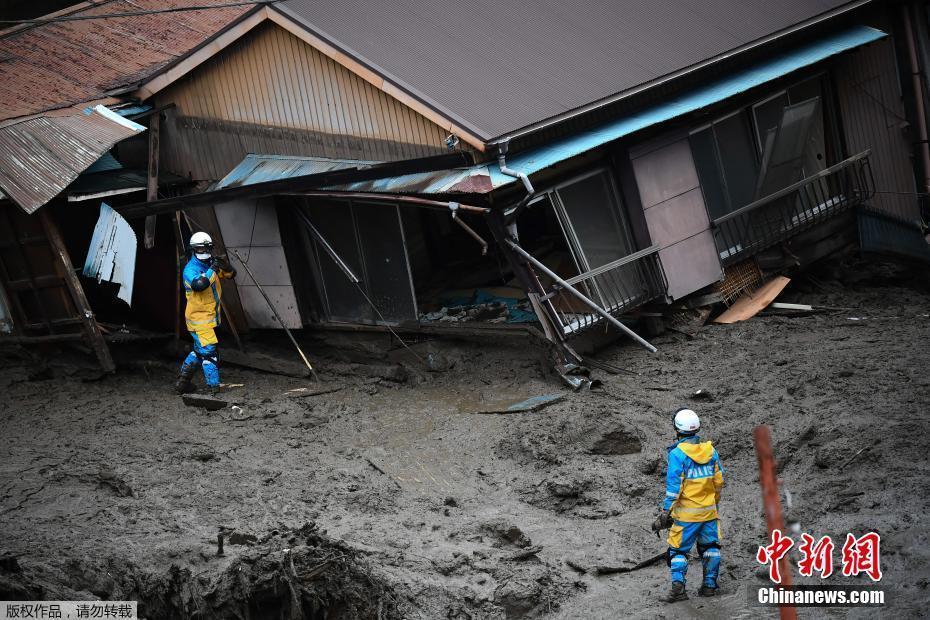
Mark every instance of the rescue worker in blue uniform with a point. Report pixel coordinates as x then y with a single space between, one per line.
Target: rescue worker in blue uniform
693 483
203 290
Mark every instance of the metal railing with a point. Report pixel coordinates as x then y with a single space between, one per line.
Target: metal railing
617 287
779 216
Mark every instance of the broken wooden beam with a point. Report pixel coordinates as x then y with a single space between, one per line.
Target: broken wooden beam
265 363
210 403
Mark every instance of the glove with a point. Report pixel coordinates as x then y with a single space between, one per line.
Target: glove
662 522
221 263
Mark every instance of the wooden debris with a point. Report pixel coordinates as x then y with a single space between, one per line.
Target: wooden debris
532 403
526 554
266 363
204 402
312 391
783 306
751 304
381 470
613 570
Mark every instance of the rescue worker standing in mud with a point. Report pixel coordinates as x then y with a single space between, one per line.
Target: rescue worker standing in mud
202 276
689 511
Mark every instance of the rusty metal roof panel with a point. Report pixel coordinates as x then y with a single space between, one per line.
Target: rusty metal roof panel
260 168
39 157
57 65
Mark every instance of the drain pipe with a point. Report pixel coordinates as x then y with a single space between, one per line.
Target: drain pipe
530 191
917 79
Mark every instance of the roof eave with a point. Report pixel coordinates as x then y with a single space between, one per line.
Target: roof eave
626 94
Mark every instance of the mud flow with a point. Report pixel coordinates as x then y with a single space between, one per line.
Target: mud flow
392 489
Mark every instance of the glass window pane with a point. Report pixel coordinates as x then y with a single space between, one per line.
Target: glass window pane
738 156
767 115
815 159
388 283
704 152
343 300
596 219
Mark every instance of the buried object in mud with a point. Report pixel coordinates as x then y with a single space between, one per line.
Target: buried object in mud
266 363
751 304
532 403
205 402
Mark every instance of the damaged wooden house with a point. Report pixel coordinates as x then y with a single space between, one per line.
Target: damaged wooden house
444 168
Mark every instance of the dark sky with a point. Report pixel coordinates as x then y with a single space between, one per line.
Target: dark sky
25 9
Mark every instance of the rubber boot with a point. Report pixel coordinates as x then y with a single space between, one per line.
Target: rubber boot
677 593
184 384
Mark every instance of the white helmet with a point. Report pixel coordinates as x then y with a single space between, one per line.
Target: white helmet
201 245
687 422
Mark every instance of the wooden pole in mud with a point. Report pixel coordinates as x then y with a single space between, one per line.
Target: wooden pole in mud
772 504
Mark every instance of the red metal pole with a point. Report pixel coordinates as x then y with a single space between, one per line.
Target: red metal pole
772 504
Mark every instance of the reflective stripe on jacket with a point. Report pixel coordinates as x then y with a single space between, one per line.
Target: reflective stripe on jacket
693 481
203 307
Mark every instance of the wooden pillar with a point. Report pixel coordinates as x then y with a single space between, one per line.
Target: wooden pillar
66 271
151 188
771 502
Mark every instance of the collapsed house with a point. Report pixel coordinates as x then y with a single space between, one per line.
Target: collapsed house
478 170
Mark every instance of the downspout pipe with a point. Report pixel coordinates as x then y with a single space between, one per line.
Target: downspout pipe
917 82
530 190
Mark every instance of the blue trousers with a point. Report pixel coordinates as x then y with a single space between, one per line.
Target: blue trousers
681 538
203 356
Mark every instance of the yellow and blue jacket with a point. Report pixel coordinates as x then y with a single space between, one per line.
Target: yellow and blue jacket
693 481
203 307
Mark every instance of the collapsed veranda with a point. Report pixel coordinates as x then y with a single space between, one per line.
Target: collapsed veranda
527 188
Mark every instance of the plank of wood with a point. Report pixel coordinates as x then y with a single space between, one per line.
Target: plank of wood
265 362
750 304
151 186
66 271
522 405
205 402
783 306
304 392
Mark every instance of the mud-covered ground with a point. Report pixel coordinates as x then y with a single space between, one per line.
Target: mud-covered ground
392 498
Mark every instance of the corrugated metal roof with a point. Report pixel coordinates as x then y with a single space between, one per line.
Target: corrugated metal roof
41 156
495 67
57 65
488 177
259 168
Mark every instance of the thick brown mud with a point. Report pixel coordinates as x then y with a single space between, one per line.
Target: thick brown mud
392 498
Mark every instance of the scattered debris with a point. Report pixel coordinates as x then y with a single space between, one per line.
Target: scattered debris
265 362
777 305
613 570
237 415
204 402
750 304
702 395
532 403
526 554
381 470
313 391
